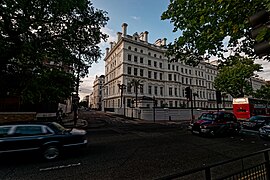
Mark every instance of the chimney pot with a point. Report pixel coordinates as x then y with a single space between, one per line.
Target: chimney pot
107 51
145 37
124 29
119 35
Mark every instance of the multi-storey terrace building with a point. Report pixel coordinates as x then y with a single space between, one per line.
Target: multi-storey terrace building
133 58
91 100
96 101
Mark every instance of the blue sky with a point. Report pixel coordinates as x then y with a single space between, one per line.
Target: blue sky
140 15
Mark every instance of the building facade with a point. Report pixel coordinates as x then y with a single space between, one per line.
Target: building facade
91 100
96 100
136 70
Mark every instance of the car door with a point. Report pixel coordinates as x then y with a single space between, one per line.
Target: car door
260 121
219 123
4 131
231 121
25 138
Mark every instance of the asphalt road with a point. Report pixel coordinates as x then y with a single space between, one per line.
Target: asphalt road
132 151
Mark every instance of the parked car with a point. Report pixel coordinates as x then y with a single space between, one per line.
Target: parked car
264 132
215 123
47 138
256 122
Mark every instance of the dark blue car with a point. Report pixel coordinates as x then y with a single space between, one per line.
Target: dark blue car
256 122
47 138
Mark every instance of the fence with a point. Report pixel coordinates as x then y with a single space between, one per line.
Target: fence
252 166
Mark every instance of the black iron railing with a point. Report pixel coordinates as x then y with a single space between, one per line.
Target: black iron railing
252 166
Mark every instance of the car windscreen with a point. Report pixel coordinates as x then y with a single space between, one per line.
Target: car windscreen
4 131
209 117
256 118
58 127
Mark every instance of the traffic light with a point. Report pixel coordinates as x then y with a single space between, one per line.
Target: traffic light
218 97
188 93
260 26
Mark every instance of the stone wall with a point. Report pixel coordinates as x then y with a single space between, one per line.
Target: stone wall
17 116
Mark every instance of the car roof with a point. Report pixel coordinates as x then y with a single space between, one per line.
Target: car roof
261 115
25 123
218 112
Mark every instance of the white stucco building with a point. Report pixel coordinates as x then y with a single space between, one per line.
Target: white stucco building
132 57
96 96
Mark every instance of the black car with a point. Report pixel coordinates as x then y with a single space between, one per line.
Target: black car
215 123
48 138
264 132
256 122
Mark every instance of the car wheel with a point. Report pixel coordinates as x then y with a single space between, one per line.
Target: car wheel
51 152
237 131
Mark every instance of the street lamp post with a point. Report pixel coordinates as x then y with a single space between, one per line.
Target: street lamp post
136 83
223 99
195 95
122 87
154 108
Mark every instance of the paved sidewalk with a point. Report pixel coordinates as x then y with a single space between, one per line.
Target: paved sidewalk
68 122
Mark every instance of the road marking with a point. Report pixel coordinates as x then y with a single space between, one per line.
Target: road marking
59 167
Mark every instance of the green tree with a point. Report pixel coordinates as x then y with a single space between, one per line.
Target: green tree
263 92
34 33
83 104
211 28
234 76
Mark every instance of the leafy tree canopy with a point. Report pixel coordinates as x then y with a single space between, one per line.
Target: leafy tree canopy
263 92
210 28
234 76
34 33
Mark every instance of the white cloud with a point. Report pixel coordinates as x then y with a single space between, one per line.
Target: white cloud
97 69
135 18
266 69
112 37
86 86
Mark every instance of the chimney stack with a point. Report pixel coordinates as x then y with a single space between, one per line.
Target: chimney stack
145 37
124 29
158 42
119 35
111 43
107 51
163 42
141 36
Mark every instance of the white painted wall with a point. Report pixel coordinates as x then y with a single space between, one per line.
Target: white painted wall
161 114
